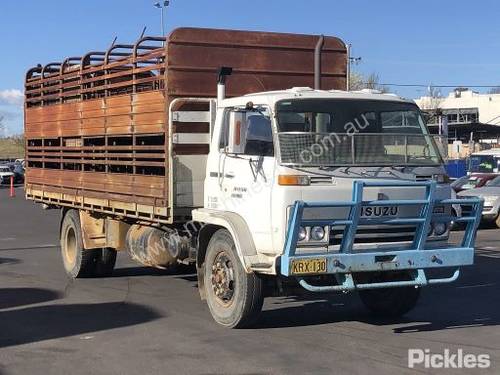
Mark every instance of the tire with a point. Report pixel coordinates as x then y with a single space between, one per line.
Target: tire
77 261
497 221
105 262
234 296
389 302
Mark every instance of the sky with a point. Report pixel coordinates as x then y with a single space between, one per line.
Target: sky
438 42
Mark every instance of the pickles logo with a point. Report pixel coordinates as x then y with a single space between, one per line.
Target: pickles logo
447 359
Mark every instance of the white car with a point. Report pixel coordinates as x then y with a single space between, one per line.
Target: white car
491 195
5 174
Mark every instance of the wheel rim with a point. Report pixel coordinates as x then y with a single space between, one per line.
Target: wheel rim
70 250
222 279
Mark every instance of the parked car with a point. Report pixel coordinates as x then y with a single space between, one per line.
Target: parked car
471 182
18 171
5 174
491 196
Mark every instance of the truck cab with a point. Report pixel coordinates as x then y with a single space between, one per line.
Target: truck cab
333 190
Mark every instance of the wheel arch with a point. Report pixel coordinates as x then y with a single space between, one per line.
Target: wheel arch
237 227
213 221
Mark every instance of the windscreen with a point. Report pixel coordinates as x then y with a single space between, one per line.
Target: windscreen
354 132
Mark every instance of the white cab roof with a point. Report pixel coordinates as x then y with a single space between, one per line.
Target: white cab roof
271 97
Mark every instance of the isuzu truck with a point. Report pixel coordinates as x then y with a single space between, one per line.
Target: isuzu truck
243 154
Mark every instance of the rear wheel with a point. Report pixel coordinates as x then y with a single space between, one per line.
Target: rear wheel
389 302
105 262
234 296
77 261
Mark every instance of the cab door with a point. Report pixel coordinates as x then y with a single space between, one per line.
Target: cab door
247 170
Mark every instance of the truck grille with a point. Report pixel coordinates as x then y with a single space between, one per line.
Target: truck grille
370 234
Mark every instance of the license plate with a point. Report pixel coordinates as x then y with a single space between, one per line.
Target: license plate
379 211
308 266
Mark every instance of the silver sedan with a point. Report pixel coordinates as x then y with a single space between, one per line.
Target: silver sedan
491 195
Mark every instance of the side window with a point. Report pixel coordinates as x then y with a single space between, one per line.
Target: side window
259 135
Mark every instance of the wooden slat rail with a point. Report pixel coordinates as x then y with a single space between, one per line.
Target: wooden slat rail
96 126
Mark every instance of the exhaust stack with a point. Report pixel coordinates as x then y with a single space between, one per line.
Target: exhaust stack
317 63
221 82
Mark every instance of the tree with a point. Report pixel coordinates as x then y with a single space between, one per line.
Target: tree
2 126
372 82
431 105
358 81
18 141
433 100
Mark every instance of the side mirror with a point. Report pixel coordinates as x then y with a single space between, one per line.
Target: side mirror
237 133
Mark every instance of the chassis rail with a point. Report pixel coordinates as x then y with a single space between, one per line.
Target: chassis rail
418 257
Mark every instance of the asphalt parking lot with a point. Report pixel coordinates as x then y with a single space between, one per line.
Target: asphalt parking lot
146 321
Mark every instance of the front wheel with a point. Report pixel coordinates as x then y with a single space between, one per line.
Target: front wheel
390 302
497 221
234 296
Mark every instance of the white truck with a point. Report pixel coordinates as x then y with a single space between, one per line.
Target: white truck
299 189
340 191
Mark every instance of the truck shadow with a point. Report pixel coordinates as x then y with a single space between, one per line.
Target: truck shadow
33 324
181 270
15 297
472 301
4 261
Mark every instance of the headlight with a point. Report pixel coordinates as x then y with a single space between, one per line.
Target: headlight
302 234
490 200
317 233
439 229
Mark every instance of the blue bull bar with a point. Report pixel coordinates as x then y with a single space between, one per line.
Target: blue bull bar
415 258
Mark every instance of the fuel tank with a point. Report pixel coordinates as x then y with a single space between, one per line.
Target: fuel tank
156 247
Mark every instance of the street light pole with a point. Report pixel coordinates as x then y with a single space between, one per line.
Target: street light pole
162 24
162 5
350 61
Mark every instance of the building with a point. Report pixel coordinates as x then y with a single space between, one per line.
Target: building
471 116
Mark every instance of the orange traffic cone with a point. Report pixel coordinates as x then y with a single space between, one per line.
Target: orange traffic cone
12 191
